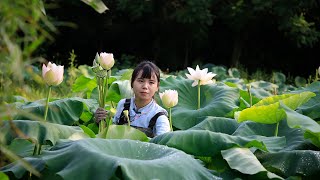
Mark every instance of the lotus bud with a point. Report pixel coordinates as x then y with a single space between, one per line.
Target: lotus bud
96 67
52 74
106 60
112 111
126 114
169 98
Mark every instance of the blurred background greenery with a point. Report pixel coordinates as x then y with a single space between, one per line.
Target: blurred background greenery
256 37
257 34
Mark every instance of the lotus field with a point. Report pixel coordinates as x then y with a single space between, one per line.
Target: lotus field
222 127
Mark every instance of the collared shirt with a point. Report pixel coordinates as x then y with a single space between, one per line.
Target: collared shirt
141 117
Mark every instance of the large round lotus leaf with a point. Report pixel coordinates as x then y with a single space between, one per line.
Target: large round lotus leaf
220 71
234 72
243 160
207 143
216 100
278 78
217 124
312 107
122 159
42 132
294 137
64 111
305 163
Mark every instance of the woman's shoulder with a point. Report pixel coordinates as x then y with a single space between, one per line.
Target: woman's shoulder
158 108
122 101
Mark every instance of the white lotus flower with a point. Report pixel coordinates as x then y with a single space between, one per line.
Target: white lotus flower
106 60
169 98
52 74
202 75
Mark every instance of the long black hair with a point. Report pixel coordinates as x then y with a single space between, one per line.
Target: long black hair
147 69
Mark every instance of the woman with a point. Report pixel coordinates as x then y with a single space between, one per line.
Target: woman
144 113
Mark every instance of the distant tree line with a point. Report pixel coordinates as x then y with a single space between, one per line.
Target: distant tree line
272 34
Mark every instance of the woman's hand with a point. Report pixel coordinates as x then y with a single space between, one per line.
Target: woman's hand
100 114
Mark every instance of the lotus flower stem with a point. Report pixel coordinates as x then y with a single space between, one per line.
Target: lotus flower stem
170 120
105 91
47 104
199 94
99 90
276 130
249 92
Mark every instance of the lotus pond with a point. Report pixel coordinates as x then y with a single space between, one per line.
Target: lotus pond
231 129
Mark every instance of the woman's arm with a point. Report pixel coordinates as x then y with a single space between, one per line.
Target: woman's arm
162 125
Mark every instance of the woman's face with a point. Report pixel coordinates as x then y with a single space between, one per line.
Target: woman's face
144 88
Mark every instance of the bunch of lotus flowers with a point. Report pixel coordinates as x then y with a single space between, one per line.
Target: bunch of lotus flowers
102 65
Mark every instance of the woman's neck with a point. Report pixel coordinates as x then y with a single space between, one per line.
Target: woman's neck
141 103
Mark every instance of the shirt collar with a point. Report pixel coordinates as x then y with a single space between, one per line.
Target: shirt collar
144 109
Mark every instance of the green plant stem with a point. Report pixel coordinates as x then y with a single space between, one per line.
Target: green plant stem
250 96
47 104
170 120
106 87
276 130
199 94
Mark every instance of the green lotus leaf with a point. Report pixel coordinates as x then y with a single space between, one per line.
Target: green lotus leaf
124 74
43 132
216 100
266 114
220 71
234 72
279 78
207 143
300 81
3 176
260 93
304 163
312 107
114 159
255 90
294 137
296 120
123 132
243 160
291 100
64 111
21 147
268 86
268 110
88 131
118 90
217 124
97 5
84 84
245 99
